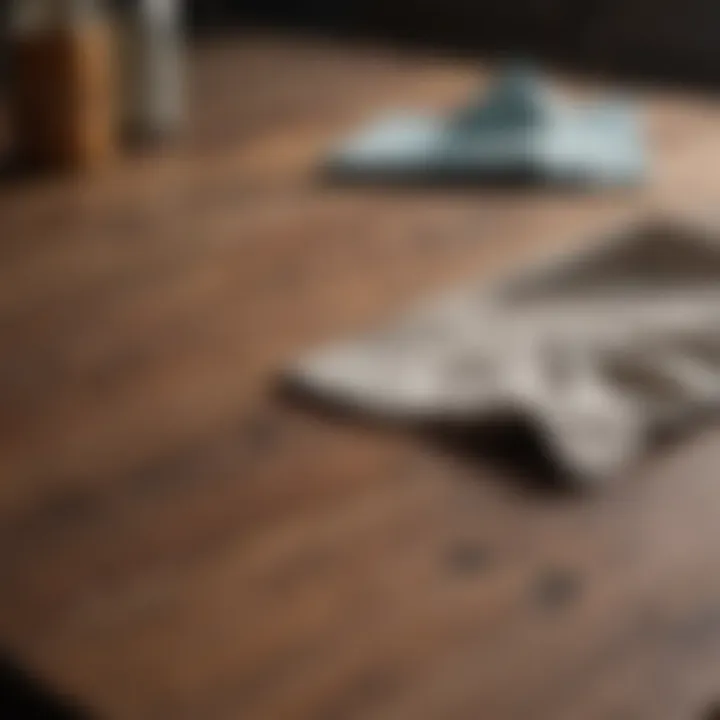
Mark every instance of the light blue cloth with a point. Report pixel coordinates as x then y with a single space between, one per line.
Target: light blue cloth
515 130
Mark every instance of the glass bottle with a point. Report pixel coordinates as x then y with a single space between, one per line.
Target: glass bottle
62 83
153 87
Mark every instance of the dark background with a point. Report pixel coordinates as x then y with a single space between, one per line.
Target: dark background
670 40
661 39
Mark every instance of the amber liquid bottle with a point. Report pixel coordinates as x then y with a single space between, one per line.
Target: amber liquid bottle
63 89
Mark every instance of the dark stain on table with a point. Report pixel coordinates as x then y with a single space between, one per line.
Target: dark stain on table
555 589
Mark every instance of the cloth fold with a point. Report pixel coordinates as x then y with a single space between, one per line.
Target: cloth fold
599 350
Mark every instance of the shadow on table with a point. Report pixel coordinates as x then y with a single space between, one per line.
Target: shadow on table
527 182
508 446
23 697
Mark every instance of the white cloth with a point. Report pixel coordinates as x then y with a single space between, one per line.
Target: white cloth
599 349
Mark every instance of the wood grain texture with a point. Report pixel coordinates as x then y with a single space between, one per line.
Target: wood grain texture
177 541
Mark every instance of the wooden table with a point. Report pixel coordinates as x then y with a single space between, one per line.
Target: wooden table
178 541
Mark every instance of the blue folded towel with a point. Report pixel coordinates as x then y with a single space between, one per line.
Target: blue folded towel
515 130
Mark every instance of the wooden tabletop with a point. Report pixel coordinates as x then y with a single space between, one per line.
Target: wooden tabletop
178 541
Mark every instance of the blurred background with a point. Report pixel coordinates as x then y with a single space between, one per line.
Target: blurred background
660 40
180 539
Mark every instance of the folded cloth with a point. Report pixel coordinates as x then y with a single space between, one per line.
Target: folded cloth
599 350
517 131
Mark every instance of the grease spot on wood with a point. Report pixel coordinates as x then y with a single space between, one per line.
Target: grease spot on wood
468 557
262 435
555 589
364 694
